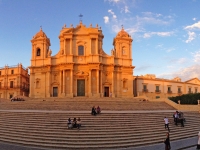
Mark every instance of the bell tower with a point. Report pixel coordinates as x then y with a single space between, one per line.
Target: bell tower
40 48
123 46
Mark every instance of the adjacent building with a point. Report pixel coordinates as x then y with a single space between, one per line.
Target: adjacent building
14 80
152 87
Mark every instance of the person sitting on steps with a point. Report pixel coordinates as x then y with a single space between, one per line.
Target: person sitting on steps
74 123
69 123
78 123
93 111
98 110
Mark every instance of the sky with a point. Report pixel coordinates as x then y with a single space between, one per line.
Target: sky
166 33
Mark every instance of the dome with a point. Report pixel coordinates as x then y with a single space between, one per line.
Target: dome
122 33
40 34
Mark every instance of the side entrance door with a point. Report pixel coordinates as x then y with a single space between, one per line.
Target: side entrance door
81 87
106 91
55 91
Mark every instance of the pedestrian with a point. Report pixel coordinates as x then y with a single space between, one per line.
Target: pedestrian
167 142
166 123
198 144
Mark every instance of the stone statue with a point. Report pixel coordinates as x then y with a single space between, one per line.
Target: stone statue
62 52
112 52
49 53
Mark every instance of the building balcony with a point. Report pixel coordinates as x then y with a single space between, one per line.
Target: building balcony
145 90
157 91
169 92
14 87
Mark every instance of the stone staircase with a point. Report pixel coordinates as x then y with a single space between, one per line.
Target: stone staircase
84 103
105 131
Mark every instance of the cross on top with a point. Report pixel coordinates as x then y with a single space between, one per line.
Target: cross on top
122 26
80 16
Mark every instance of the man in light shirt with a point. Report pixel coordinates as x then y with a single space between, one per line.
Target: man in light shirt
166 123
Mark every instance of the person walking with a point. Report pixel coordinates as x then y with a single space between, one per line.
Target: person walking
167 142
166 123
198 144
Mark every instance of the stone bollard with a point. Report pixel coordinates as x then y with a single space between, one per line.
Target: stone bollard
198 102
179 102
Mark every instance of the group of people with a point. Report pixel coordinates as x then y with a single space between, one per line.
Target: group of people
95 110
16 99
178 116
75 123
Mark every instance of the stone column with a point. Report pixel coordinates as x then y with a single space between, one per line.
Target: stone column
70 46
96 46
101 84
97 82
63 82
71 83
49 84
60 82
89 91
113 86
64 46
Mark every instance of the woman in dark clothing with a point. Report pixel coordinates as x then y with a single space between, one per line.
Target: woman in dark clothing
74 123
93 111
167 142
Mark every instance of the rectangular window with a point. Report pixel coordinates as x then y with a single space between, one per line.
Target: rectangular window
11 84
196 90
179 90
169 89
0 72
80 50
157 97
190 91
0 85
144 87
12 71
157 88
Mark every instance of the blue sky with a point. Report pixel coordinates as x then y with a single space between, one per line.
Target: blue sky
166 33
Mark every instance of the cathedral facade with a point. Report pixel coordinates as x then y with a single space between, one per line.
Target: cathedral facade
81 67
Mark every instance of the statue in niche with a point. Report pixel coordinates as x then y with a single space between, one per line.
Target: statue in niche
62 52
49 53
112 52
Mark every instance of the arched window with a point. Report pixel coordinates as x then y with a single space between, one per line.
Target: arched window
38 52
80 50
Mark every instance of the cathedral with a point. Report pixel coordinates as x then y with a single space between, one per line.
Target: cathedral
81 67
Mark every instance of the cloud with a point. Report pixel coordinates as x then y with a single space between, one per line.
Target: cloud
196 56
194 19
125 9
170 49
194 26
112 13
142 68
191 37
114 1
162 34
106 19
184 73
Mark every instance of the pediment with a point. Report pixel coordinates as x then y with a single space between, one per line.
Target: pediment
194 81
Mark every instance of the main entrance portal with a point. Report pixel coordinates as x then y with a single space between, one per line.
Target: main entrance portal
81 87
55 91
